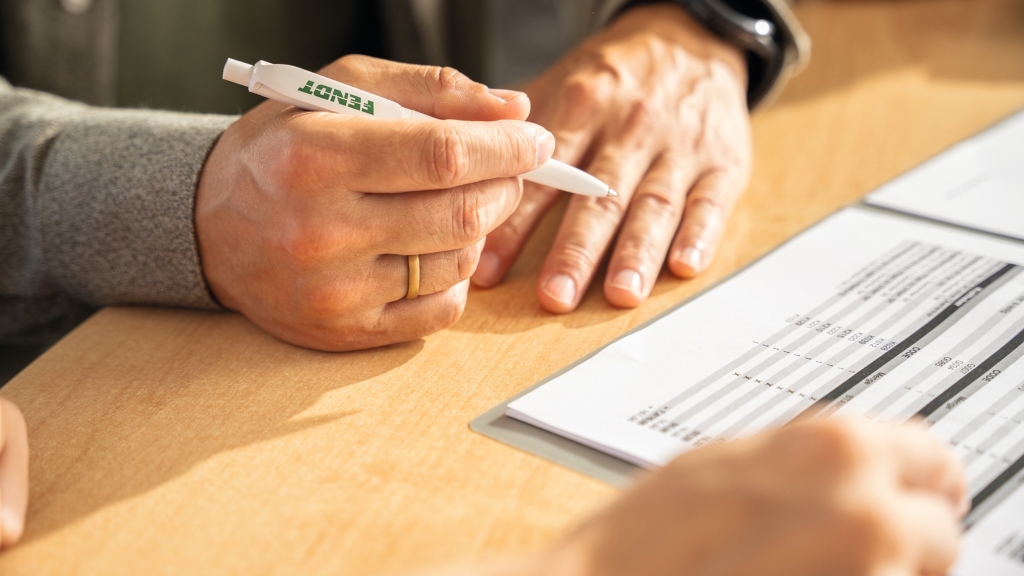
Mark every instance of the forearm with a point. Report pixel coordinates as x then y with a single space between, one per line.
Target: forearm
96 207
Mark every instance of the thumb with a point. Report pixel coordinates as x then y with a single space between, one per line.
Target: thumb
444 93
400 155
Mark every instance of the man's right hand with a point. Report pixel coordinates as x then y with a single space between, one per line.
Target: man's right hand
305 219
836 497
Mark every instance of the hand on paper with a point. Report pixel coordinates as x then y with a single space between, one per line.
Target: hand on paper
13 474
305 219
829 497
655 106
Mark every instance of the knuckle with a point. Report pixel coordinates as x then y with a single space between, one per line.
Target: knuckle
300 237
292 166
657 198
469 224
639 249
519 148
575 255
447 156
444 313
448 78
300 246
466 261
449 269
585 92
607 62
706 203
678 57
642 117
455 310
609 209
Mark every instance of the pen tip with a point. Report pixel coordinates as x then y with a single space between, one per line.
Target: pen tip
612 192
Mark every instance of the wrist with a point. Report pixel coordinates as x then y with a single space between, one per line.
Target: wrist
766 32
218 175
673 23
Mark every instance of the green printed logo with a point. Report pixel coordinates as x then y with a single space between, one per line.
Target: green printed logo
327 93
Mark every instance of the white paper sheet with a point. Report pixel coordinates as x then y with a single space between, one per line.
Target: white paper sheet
866 313
979 183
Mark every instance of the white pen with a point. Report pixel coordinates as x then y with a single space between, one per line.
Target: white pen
309 91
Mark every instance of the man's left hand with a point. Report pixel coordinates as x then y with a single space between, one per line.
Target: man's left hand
655 106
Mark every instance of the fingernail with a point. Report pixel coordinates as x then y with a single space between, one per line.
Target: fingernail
628 280
545 146
504 95
487 269
690 256
561 288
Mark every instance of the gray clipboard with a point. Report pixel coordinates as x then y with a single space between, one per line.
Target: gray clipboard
594 463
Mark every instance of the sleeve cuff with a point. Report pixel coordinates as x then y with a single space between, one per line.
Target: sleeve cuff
117 204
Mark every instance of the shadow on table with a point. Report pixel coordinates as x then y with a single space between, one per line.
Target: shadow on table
512 306
108 440
950 39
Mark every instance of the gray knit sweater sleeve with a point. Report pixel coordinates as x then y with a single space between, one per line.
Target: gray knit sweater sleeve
96 207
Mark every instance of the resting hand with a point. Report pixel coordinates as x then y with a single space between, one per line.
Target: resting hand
305 219
655 106
837 498
13 474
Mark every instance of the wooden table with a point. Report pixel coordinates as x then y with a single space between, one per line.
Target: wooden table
178 442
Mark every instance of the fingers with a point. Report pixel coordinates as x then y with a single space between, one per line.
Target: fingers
411 319
705 215
378 155
586 230
438 272
13 474
588 227
895 490
438 221
443 93
935 531
506 242
572 120
920 521
653 219
925 463
380 325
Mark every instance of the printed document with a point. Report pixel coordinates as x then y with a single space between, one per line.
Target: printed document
977 183
867 313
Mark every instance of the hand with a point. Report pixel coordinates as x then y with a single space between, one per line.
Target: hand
655 106
13 474
825 497
305 219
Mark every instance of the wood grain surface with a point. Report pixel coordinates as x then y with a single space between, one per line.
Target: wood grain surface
181 442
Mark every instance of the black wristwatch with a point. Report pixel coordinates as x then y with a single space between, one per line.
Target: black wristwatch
751 25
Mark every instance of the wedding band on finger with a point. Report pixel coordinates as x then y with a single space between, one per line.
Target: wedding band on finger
414 277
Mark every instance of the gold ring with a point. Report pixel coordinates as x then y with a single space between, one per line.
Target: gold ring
414 277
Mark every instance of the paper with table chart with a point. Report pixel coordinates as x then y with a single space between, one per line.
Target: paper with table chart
976 183
867 313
